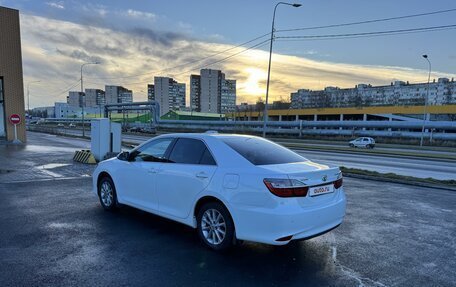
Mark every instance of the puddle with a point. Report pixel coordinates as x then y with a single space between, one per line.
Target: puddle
52 165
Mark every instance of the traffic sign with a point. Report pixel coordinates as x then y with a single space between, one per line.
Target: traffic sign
15 119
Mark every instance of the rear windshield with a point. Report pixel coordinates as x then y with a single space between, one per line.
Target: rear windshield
262 152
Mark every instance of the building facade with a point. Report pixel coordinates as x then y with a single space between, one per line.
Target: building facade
11 77
399 93
75 99
228 96
150 92
117 95
195 93
94 98
210 92
169 94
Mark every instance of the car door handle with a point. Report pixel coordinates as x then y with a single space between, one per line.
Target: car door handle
201 174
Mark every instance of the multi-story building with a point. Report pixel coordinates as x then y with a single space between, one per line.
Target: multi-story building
195 92
117 95
75 99
169 94
210 92
228 97
125 97
150 92
399 93
94 98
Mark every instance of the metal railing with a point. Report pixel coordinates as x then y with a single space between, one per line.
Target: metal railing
439 130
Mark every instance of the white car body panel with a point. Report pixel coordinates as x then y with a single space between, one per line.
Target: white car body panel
173 190
181 183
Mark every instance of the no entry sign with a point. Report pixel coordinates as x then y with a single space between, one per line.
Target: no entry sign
15 119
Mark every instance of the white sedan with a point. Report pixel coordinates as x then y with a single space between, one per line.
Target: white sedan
228 187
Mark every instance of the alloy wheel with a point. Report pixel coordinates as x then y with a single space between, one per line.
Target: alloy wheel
213 226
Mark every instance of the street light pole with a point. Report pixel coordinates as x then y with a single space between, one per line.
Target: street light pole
426 100
28 95
265 113
82 95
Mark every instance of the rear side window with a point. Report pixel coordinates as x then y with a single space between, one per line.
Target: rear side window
262 152
207 158
191 151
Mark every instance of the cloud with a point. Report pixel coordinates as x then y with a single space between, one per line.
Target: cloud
138 14
54 50
58 5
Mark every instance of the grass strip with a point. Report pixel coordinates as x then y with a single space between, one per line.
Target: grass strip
396 178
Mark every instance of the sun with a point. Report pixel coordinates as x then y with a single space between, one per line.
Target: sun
251 86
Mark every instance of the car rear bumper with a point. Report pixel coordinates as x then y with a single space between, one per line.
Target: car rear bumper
282 224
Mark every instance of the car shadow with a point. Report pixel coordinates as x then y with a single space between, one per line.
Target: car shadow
178 250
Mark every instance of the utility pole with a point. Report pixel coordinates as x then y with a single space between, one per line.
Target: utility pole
265 113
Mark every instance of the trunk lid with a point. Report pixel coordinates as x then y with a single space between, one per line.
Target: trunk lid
308 172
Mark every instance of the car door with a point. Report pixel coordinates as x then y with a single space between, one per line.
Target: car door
137 178
357 142
365 142
188 172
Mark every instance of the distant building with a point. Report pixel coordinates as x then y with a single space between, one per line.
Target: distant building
150 92
94 98
64 110
210 92
118 95
186 115
75 99
195 93
228 97
61 110
169 94
125 97
43 112
399 93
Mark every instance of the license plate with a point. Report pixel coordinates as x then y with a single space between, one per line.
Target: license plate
322 189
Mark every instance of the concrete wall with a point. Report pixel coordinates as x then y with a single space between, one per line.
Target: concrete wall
11 70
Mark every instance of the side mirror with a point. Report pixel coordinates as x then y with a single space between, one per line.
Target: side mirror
125 155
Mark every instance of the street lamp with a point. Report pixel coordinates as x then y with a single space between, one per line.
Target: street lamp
426 100
265 114
82 94
28 95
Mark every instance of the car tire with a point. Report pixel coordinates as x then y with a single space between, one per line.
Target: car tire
215 226
351 145
107 194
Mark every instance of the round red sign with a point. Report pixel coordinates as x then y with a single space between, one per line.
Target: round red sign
15 119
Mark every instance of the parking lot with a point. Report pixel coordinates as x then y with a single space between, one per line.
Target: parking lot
55 233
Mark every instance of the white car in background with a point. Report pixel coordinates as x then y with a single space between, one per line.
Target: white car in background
228 187
364 142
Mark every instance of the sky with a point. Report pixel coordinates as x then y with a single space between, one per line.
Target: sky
137 40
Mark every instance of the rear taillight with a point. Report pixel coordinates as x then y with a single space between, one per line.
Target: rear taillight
338 183
286 187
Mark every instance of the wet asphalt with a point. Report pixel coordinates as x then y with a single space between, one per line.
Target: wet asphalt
53 232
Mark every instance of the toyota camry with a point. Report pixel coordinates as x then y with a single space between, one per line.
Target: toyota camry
228 187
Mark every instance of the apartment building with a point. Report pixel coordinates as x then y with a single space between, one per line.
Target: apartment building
169 94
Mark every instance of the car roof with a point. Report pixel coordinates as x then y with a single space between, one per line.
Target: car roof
207 135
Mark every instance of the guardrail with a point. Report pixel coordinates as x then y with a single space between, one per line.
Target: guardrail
439 130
